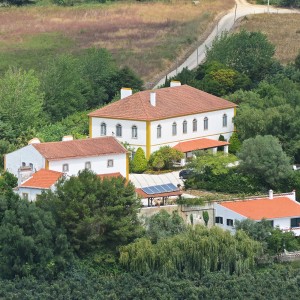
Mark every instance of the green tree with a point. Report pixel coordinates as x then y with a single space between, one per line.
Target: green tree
31 242
163 224
297 61
21 101
208 163
205 216
221 80
139 162
249 53
235 144
188 251
75 125
96 213
66 90
125 77
99 70
263 157
164 158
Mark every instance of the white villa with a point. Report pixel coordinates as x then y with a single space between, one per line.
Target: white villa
281 210
104 156
167 116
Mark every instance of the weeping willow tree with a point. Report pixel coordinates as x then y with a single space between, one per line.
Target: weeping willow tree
198 250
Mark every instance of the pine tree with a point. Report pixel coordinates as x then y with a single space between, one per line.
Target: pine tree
139 162
235 143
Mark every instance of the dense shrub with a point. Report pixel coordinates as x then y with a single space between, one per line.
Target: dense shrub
139 162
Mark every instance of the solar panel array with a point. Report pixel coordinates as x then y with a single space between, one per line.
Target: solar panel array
158 189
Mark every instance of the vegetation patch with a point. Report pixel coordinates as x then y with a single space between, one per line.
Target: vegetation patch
280 32
154 33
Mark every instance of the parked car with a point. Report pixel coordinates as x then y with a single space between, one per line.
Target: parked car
185 174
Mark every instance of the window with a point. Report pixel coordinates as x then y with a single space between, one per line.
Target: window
88 165
229 222
219 220
31 166
38 196
103 129
205 123
194 125
110 163
174 128
159 131
224 120
23 164
65 167
119 130
295 222
134 132
184 127
25 196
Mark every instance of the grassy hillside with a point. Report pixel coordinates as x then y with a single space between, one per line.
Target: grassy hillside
145 36
282 30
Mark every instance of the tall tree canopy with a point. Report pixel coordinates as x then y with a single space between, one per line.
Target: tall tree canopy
198 250
247 52
31 242
264 158
95 213
21 101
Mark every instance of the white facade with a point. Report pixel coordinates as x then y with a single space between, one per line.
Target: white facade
225 218
127 131
29 156
26 156
105 164
29 193
214 129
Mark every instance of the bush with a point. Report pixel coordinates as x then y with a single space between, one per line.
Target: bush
139 162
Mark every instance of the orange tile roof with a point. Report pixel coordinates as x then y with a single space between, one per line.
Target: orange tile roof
258 209
42 179
80 148
199 144
170 102
109 175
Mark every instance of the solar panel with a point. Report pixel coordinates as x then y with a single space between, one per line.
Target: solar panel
172 187
147 190
165 188
158 189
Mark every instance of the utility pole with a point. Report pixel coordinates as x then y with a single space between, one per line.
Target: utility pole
197 56
268 6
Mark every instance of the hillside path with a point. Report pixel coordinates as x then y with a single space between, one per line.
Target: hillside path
241 9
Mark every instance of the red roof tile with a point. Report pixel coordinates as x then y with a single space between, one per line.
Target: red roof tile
198 144
42 179
258 209
170 102
80 148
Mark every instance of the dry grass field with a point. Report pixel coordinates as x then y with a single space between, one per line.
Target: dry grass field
282 30
144 36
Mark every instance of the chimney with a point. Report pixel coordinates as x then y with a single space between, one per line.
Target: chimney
153 98
270 194
175 83
67 138
125 92
294 195
34 141
24 173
